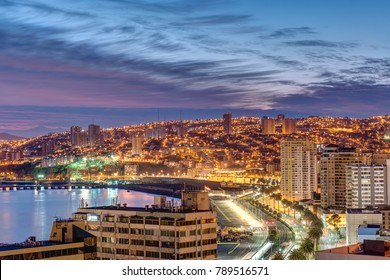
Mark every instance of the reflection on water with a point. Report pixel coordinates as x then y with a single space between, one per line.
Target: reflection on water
31 212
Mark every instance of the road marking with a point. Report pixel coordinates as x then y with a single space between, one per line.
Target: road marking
223 214
235 247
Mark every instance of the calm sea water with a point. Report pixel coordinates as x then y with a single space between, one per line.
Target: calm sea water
27 213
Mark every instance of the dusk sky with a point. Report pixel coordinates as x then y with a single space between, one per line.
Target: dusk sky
114 62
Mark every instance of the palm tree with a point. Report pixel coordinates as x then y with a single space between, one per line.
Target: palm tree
335 221
307 247
315 233
317 223
277 256
296 254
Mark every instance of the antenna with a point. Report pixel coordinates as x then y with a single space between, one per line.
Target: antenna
158 115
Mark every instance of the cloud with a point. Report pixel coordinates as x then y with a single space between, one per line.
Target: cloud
289 32
320 43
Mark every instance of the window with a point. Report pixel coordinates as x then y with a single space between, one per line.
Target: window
152 254
122 230
108 229
122 241
152 243
137 231
122 251
137 242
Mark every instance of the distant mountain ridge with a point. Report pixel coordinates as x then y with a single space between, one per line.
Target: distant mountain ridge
33 132
8 137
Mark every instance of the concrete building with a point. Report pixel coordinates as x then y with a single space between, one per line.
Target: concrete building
298 169
368 250
289 126
160 231
68 241
94 135
227 123
360 217
156 132
385 211
333 162
367 185
137 144
268 126
75 136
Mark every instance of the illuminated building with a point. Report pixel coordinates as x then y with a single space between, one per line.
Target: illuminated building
155 132
163 230
333 162
68 241
48 148
298 169
75 136
136 142
367 185
280 118
289 126
268 126
94 135
227 123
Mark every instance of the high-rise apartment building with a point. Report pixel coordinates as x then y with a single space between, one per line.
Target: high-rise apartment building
268 126
333 163
163 230
94 135
156 132
289 126
75 136
367 185
298 169
137 144
227 123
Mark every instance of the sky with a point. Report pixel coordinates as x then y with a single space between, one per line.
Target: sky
121 62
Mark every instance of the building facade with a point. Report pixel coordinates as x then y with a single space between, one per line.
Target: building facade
366 185
298 169
333 163
68 241
161 231
360 217
289 126
227 123
268 126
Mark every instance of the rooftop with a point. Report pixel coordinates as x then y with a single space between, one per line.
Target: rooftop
362 211
144 209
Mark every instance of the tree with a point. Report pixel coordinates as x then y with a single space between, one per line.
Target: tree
296 254
334 221
273 236
277 256
317 223
315 234
307 247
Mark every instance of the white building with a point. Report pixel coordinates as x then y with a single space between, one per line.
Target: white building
367 185
358 217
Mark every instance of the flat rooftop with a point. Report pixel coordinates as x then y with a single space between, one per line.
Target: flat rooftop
362 211
25 244
143 209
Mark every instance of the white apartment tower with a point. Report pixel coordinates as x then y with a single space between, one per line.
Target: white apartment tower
298 169
367 185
